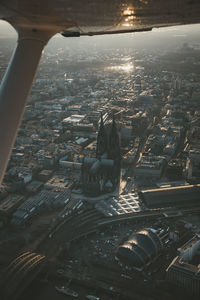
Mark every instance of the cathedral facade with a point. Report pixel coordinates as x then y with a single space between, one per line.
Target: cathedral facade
101 174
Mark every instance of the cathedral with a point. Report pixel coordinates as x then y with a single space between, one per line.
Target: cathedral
101 174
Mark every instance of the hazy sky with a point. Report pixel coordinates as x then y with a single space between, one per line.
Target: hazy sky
161 38
6 30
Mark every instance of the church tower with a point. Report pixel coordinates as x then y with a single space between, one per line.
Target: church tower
102 174
114 143
102 143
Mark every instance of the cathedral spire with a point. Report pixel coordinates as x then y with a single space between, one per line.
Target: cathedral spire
114 142
101 139
101 127
113 131
113 121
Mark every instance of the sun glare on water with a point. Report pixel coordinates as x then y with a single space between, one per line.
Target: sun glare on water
125 68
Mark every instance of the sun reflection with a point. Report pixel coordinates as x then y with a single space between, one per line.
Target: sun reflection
124 68
126 24
127 68
128 16
128 11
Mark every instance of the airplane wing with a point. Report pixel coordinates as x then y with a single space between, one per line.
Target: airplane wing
100 16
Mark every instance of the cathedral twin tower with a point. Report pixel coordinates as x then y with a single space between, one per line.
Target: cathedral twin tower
108 144
102 174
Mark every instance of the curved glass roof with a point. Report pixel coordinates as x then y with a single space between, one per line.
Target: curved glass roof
140 248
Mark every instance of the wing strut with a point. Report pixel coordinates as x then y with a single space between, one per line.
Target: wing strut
15 88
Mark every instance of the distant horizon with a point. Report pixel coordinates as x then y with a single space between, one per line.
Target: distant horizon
7 31
163 38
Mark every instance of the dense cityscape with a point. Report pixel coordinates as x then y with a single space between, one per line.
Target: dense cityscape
103 183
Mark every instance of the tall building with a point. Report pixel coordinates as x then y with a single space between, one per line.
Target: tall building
184 270
114 143
101 174
102 140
